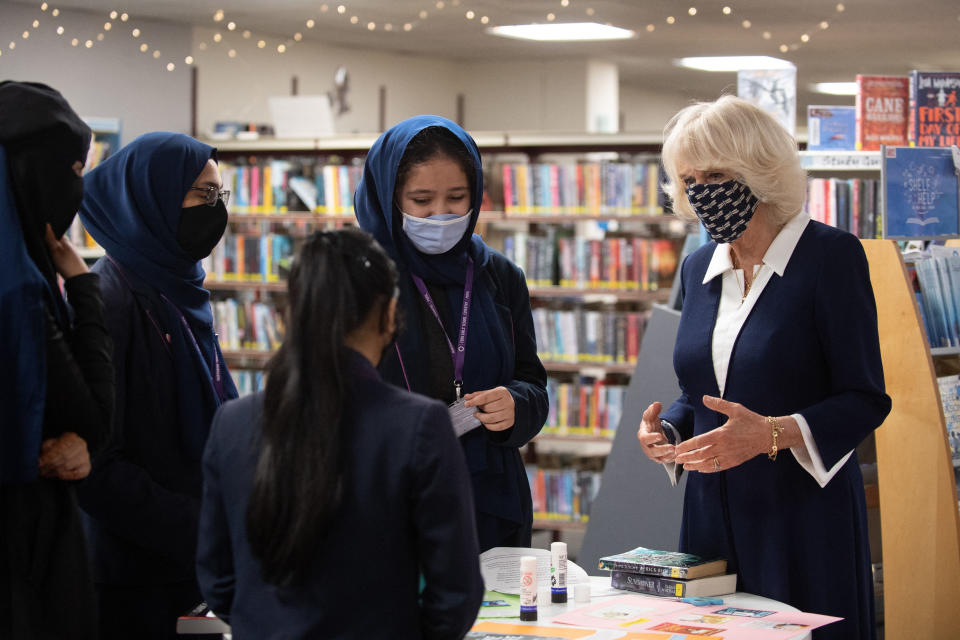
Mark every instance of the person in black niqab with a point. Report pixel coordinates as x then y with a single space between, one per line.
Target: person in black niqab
56 382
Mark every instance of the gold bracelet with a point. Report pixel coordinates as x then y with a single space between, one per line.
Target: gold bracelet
776 431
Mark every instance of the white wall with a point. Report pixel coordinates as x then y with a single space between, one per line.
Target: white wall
602 97
112 79
528 95
646 111
525 95
238 88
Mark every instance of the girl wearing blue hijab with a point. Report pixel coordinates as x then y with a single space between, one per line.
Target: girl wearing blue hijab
471 340
157 208
56 380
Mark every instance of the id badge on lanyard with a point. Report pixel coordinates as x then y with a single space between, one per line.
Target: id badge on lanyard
463 417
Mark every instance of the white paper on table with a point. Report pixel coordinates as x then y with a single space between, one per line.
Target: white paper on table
500 568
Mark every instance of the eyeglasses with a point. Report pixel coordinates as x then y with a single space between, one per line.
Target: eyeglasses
214 194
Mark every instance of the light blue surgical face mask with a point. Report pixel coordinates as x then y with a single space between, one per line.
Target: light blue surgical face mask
436 234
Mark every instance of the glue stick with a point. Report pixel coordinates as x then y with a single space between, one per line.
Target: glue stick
558 572
528 588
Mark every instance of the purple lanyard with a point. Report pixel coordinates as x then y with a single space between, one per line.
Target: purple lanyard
217 381
458 354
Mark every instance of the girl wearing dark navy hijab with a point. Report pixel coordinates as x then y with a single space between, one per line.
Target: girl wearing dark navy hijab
56 381
471 341
157 208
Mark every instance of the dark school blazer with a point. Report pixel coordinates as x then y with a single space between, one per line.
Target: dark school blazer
406 511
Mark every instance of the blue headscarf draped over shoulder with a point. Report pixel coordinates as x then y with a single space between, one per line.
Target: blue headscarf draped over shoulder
131 206
132 203
377 211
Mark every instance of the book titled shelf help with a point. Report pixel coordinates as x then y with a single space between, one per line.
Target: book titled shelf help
668 573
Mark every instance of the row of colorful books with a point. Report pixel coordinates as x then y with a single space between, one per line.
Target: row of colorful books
921 109
98 152
565 494
250 257
586 335
626 262
590 406
938 276
950 398
852 205
277 185
598 188
668 573
248 380
247 324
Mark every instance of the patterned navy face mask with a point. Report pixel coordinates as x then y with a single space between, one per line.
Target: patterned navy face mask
724 208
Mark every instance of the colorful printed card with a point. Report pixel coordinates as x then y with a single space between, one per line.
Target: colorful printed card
491 630
625 612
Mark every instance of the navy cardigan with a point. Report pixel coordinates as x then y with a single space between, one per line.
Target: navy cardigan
501 490
406 510
809 346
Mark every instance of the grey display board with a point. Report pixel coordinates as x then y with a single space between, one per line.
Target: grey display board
636 506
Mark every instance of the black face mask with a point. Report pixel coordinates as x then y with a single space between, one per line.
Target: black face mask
201 228
46 186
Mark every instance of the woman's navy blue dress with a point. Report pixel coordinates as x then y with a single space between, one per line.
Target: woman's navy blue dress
809 346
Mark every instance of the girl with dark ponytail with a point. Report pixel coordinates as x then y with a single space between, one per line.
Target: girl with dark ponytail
332 481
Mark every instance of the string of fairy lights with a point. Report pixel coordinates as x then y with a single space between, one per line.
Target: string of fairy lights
227 32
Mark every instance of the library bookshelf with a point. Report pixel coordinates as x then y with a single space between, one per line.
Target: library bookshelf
541 222
106 136
920 522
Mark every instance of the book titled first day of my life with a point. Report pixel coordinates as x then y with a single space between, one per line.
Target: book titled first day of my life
670 564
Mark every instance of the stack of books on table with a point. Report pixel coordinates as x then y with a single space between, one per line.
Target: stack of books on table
669 573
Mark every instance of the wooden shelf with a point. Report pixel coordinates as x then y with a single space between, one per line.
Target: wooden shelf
840 160
546 438
944 351
920 524
487 141
622 295
235 285
575 434
290 216
485 216
550 524
248 356
872 495
569 218
575 367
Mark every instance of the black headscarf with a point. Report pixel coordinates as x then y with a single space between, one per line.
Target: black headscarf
40 139
43 138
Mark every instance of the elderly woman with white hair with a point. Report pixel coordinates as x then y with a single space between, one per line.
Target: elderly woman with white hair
778 360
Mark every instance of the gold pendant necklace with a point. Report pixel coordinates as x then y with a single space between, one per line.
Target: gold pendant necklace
745 287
